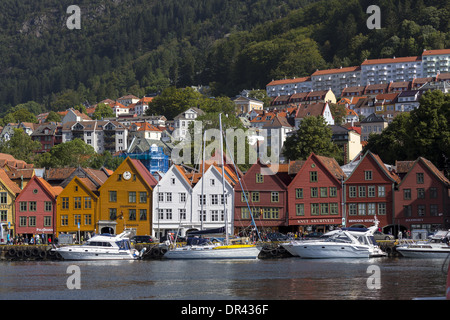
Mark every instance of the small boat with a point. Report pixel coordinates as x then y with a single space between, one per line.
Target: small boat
102 247
214 251
436 248
340 243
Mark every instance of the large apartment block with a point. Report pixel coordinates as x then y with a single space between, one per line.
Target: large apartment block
375 71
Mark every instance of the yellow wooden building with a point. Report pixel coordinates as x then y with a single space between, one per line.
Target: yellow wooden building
77 209
8 192
126 199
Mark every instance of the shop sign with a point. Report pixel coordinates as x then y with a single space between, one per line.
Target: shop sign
319 221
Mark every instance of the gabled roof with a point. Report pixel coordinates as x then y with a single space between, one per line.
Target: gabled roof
373 118
435 52
391 175
336 70
314 109
8 183
148 177
428 164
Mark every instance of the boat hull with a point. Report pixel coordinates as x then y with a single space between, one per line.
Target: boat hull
418 253
83 254
208 252
328 251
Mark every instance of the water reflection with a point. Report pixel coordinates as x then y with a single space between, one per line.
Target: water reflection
285 279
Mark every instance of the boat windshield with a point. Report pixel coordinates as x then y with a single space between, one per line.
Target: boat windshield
98 244
340 237
123 245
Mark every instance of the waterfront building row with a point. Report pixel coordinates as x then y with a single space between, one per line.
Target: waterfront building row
315 194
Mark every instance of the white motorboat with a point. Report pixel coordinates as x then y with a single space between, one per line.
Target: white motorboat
102 247
237 251
436 248
340 243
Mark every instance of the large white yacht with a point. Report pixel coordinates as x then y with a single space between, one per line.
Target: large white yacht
101 247
340 243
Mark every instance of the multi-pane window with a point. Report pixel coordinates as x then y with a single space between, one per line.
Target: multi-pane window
313 176
381 191
77 219
407 194
112 213
48 206
214 199
131 196
420 193
433 193
407 211
112 196
314 209
274 197
314 192
77 202
182 196
419 177
132 214
244 196
64 220
352 191
3 197
259 178
368 175
324 208
299 193
371 191
23 206
245 213
300 209
255 196
433 210
421 210
23 221
334 208
142 214
182 214
352 209
169 214
362 191
47 221
143 197
371 209
382 208
361 209
333 192
87 202
271 213
32 221
202 199
214 215
323 192
87 219
168 196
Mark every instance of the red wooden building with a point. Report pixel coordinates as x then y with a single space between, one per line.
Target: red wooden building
422 198
36 209
315 195
369 191
266 191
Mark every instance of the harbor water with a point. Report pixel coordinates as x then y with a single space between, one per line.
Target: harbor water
277 279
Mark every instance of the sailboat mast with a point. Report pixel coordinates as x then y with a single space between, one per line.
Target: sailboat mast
203 180
223 181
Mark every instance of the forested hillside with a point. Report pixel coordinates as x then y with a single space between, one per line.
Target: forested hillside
142 46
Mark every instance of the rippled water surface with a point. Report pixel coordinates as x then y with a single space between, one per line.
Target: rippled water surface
283 279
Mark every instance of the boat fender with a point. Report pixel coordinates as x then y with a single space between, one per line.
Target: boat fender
35 251
19 254
12 252
156 252
27 252
42 254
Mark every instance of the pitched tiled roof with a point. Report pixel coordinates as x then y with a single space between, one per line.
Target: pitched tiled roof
144 172
314 109
333 167
8 182
287 81
337 70
435 52
392 60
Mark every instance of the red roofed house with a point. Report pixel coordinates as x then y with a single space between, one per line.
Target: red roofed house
369 191
287 87
36 209
315 109
266 192
422 199
315 195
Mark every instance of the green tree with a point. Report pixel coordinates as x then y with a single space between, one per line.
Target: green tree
102 111
20 146
313 136
72 154
53 117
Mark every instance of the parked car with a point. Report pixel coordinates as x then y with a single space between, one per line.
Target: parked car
276 236
143 239
378 235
